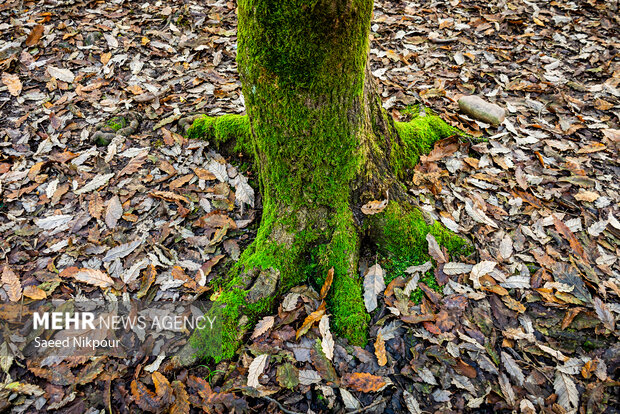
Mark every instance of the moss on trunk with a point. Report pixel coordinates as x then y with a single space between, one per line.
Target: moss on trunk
323 146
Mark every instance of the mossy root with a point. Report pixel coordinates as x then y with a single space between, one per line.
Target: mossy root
233 131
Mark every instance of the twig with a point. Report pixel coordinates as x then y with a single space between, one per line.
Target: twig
368 407
280 406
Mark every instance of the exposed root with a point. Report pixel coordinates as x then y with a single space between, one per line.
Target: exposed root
344 300
123 124
417 138
231 131
400 233
300 242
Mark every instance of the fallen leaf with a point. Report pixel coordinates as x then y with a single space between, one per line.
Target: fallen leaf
263 326
256 369
34 292
374 207
13 83
568 396
380 350
35 35
350 402
374 283
181 399
479 270
327 284
309 377
434 250
114 212
589 196
327 341
93 277
12 285
512 368
455 268
64 75
568 235
363 382
309 321
604 314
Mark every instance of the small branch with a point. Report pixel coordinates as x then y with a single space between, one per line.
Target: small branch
280 406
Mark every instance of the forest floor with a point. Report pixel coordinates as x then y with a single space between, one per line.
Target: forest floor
528 322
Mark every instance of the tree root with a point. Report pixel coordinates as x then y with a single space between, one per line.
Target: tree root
231 131
417 138
295 244
123 124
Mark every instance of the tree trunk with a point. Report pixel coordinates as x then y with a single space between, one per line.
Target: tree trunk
323 147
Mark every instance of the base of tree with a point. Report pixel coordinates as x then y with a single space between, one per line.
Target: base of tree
277 259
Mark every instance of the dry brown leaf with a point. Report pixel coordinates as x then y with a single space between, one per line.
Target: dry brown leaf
181 399
593 147
512 368
145 398
588 196
374 207
374 283
105 58
434 250
180 182
34 292
327 342
380 350
588 368
513 304
604 314
162 387
113 212
256 369
568 396
35 35
263 326
12 285
168 196
568 235
328 283
363 382
13 83
204 174
134 164
95 206
93 277
310 320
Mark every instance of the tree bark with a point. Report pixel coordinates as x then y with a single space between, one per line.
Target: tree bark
323 147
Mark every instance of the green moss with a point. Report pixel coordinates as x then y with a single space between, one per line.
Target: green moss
224 129
117 123
417 137
345 301
400 233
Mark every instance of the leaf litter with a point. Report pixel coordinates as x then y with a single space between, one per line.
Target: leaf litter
526 323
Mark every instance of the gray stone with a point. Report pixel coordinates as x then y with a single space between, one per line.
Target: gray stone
482 110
